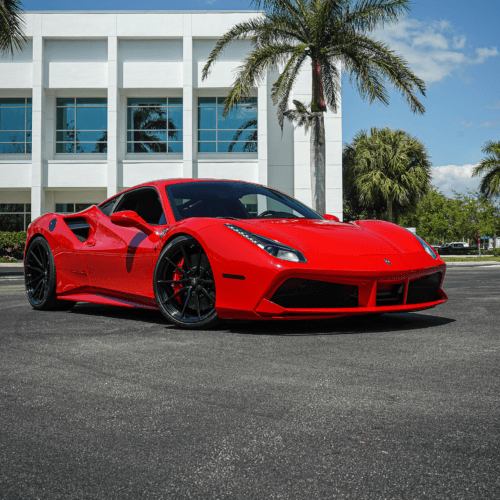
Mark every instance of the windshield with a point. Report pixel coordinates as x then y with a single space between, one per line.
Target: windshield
234 200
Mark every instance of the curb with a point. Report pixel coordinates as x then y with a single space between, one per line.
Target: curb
11 269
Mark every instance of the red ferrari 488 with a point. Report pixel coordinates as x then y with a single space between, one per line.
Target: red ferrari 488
204 250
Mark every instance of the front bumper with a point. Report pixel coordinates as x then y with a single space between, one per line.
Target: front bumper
305 295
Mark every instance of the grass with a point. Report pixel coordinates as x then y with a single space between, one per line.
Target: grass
487 258
9 260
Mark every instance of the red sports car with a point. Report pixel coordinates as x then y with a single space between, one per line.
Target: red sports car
204 250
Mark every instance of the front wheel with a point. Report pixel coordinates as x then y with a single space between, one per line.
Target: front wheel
40 277
184 285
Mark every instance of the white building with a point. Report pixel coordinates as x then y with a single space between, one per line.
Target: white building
101 101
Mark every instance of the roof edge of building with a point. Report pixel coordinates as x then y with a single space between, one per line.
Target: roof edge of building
144 11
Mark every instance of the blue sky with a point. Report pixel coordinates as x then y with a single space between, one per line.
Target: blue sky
453 45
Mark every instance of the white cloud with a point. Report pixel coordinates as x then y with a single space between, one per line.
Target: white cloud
491 123
432 40
496 105
484 53
466 124
454 177
459 42
433 50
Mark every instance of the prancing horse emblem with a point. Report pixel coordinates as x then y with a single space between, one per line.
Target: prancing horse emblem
387 261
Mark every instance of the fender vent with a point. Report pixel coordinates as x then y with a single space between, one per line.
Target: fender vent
79 227
298 293
424 289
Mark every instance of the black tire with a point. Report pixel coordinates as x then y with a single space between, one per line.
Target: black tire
184 285
40 278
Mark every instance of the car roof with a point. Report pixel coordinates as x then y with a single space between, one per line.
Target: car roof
161 183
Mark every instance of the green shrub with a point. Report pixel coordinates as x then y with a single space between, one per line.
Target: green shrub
12 245
496 252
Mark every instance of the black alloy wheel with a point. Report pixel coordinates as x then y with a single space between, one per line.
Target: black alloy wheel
184 284
40 277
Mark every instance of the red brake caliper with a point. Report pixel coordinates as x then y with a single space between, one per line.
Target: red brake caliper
177 277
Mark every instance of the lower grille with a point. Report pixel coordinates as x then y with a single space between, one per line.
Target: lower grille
296 293
390 296
424 289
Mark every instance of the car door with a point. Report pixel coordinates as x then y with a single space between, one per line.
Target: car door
121 259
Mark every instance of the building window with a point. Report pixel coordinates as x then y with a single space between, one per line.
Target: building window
15 216
82 125
237 133
154 125
15 125
71 208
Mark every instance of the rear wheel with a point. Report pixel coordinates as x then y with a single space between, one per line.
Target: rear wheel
184 285
40 278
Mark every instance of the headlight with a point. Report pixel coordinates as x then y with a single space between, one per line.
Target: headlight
427 247
272 247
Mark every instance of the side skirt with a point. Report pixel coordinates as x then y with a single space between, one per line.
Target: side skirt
102 298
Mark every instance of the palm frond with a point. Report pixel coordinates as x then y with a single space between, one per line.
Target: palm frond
240 31
368 15
282 88
370 62
254 68
12 26
332 85
489 167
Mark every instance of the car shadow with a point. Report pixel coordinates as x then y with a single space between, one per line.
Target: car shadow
117 312
346 325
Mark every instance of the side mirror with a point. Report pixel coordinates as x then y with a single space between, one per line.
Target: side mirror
129 218
331 217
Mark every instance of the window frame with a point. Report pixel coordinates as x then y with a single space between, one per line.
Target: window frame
25 213
219 104
75 142
28 103
167 141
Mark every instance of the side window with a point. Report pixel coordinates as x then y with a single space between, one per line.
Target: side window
146 203
107 208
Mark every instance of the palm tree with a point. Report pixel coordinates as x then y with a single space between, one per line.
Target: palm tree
11 26
326 33
490 169
388 166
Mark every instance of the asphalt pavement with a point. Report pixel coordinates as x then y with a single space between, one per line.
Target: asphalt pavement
113 403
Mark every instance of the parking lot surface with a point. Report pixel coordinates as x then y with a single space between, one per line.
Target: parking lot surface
104 402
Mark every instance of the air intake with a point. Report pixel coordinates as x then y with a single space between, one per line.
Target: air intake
424 289
298 293
79 227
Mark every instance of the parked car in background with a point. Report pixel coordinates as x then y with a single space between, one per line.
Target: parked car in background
457 247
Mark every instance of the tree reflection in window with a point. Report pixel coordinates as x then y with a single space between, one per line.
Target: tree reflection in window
250 145
236 133
15 125
82 125
154 125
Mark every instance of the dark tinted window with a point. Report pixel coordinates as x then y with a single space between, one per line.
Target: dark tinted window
145 202
107 206
236 200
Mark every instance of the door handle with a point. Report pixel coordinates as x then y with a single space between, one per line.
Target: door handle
90 243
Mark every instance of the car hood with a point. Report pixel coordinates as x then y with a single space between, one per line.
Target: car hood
330 237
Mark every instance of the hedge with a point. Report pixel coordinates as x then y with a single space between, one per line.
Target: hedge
12 245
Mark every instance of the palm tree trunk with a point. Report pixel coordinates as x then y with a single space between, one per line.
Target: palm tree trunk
318 96
389 209
318 163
